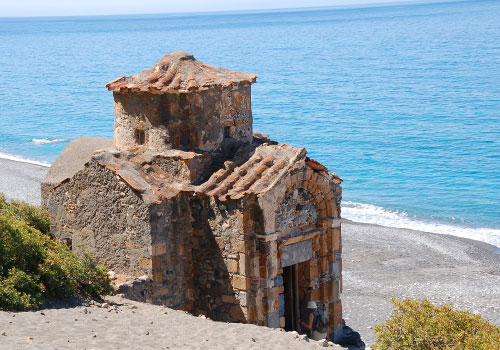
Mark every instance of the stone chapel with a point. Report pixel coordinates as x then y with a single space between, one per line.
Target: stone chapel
190 207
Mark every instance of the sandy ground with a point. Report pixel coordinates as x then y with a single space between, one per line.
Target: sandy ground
379 263
132 325
21 181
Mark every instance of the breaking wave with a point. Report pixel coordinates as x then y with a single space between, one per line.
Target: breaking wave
372 214
47 140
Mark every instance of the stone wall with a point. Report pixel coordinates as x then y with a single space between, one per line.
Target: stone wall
204 253
97 212
195 120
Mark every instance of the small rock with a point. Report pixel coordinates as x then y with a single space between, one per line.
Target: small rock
253 339
147 332
151 322
85 311
325 344
4 333
41 313
304 337
133 307
105 305
95 335
30 340
112 275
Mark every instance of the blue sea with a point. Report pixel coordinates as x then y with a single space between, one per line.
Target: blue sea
402 101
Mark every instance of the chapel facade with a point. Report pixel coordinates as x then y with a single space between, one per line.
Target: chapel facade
193 210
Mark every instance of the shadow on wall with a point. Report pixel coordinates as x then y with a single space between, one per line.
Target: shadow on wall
215 296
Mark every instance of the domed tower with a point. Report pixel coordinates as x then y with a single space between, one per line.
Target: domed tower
182 103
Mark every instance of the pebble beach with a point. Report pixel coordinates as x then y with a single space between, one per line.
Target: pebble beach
379 263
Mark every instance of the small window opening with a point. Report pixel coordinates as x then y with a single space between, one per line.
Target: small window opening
140 136
227 132
184 141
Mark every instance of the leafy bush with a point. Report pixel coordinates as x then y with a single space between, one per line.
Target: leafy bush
419 325
34 216
34 267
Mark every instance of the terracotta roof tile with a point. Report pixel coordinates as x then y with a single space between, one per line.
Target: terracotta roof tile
256 175
179 72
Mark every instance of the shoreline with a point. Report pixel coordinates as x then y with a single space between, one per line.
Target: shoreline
379 263
18 174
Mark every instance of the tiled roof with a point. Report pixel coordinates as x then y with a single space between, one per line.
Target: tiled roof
179 72
255 173
258 174
141 173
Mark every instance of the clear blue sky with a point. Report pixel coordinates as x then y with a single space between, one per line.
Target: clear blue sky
10 8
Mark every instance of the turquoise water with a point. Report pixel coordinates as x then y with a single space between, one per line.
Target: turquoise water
402 101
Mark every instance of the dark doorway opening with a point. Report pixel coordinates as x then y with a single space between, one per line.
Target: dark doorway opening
292 308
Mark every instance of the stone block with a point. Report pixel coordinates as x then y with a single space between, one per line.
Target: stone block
281 304
316 244
272 293
334 270
161 292
273 305
323 264
232 266
314 294
156 262
241 282
238 246
157 276
243 265
297 253
337 307
323 244
278 281
158 248
333 290
273 320
336 238
253 266
252 313
312 272
323 293
242 298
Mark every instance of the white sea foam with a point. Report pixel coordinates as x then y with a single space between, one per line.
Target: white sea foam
47 140
23 160
372 214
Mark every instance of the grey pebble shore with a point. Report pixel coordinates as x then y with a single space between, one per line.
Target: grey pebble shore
379 263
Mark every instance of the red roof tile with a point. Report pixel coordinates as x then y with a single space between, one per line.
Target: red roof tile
179 72
256 175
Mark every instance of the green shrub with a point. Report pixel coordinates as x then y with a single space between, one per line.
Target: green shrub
419 325
34 267
34 216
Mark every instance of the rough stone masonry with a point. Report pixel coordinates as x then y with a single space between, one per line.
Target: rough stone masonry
195 211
